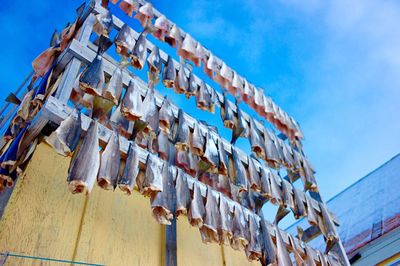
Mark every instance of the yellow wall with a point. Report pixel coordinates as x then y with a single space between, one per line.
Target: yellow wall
44 219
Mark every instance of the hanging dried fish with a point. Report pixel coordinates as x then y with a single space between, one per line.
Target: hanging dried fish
124 41
182 135
283 254
227 114
276 191
163 145
181 159
257 145
169 73
125 127
193 164
45 60
24 110
139 51
181 83
237 172
110 163
197 146
197 209
312 216
208 231
327 228
252 174
247 92
200 55
103 24
128 179
210 156
66 137
173 38
188 48
310 256
287 198
113 89
85 163
161 207
150 114
152 182
145 15
322 258
10 156
128 6
205 98
224 227
258 100
131 106
223 165
92 78
211 65
236 85
154 61
182 194
166 116
240 128
265 183
239 240
297 250
272 156
299 209
268 247
224 78
253 249
161 26
192 86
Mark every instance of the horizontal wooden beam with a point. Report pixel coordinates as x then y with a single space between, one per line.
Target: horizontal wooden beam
56 111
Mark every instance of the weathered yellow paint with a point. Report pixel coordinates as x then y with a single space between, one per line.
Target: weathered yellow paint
44 219
191 250
237 258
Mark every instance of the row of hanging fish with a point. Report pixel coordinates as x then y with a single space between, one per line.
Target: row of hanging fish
215 68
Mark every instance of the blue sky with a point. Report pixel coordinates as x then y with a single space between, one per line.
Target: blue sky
333 65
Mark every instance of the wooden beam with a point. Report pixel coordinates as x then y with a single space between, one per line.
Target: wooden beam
56 111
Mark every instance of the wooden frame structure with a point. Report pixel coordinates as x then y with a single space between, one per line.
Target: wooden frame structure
56 108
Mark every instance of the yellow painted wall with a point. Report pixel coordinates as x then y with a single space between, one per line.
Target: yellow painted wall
44 219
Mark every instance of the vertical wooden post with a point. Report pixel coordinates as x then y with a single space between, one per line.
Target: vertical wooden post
170 230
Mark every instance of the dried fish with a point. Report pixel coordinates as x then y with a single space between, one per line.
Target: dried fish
92 78
268 248
55 39
265 183
125 127
240 128
204 98
182 135
197 146
224 227
257 145
192 86
161 26
310 256
224 78
287 198
223 165
128 179
128 6
10 156
154 61
276 191
103 24
113 89
181 83
124 41
188 48
212 218
166 116
211 156
254 249
283 254
163 145
258 100
45 60
139 51
312 216
151 115
237 172
101 109
85 163
327 228
182 194
227 114
110 163
200 55
297 250
66 137
161 207
253 175
181 159
131 106
236 85
193 162
272 156
153 177
169 73
239 240
197 210
211 65
24 110
145 14
173 38
247 92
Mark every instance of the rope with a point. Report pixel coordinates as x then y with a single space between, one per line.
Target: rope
48 259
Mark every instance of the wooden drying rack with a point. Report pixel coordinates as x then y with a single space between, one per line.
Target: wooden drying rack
56 109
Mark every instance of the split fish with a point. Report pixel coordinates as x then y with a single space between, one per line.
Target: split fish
85 163
310 256
268 108
181 83
182 134
209 233
173 37
125 127
193 162
268 247
110 163
154 61
272 156
128 6
237 171
253 249
45 60
151 114
204 98
224 185
223 165
181 159
322 258
299 209
68 33
257 145
128 179
103 24
163 145
312 215
227 114
200 55
252 175
169 73
182 194
247 92
153 182
224 77
161 26
161 205
66 137
113 89
236 85
131 106
92 78
197 210
240 127
192 86
197 146
276 191
297 250
124 41
258 100
287 196
224 227
211 156
239 240
265 183
188 48
101 109
327 228
24 110
211 65
145 14
166 116
139 51
283 254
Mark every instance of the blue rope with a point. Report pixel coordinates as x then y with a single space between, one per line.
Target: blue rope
48 259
